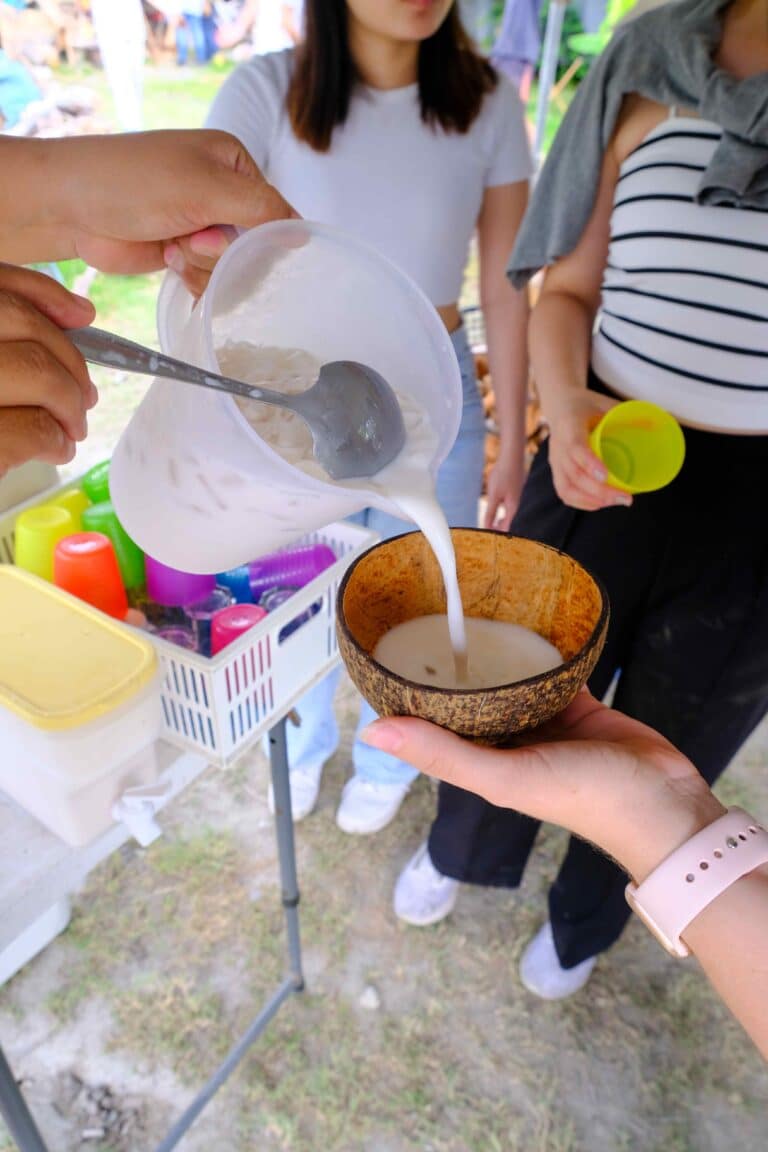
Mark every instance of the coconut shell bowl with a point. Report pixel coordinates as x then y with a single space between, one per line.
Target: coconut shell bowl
501 578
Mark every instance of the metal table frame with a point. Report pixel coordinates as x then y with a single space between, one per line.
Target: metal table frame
13 1106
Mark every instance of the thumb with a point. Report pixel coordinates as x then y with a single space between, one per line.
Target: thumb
242 195
249 200
508 778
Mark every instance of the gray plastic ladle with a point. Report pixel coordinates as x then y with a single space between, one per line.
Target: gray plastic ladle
353 414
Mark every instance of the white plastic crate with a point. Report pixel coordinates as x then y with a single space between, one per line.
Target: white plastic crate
474 325
220 706
8 518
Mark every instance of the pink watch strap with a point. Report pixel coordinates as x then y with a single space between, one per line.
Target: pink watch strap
696 873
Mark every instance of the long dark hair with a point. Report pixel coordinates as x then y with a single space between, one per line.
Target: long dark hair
453 77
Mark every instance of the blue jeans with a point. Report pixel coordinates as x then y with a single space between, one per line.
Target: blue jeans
459 483
201 32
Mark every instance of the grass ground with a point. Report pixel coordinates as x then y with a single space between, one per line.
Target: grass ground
405 1040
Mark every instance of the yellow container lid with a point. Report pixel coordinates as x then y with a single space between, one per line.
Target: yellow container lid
62 663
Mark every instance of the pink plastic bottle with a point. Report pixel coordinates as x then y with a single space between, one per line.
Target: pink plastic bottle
291 569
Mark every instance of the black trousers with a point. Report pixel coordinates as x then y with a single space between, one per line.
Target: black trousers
686 571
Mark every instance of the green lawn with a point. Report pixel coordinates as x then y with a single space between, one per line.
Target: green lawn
173 97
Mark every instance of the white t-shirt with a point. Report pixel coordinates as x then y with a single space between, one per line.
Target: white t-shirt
411 191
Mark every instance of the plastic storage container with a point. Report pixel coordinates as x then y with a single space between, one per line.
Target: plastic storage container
79 705
20 484
192 482
219 707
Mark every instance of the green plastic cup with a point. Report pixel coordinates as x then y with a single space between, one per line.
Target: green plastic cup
96 482
103 518
641 445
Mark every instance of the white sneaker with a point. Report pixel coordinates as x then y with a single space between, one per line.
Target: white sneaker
367 807
305 785
422 894
542 973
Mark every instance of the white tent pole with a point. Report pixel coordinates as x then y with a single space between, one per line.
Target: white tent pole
549 57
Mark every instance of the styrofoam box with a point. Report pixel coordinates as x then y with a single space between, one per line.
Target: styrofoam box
69 779
221 706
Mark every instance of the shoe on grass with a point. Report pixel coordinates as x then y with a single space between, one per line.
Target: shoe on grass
367 807
542 973
422 894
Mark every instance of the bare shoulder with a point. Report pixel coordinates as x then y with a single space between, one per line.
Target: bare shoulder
637 118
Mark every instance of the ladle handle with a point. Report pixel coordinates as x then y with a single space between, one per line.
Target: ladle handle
111 351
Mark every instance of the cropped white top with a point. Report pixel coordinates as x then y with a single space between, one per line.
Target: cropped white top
413 191
684 317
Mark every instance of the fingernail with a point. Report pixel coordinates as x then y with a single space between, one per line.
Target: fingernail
384 735
600 474
83 300
626 501
93 396
209 244
174 259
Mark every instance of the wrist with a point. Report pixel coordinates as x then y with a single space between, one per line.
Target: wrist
42 229
659 831
511 445
557 404
705 870
61 215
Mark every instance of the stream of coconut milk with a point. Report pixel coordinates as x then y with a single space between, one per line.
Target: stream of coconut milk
406 482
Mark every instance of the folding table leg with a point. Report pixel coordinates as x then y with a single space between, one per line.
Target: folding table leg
17 1116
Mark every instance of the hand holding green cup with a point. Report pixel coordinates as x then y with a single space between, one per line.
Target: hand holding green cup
641 445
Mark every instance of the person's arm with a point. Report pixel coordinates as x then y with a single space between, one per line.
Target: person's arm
290 24
505 311
117 201
651 800
560 343
561 329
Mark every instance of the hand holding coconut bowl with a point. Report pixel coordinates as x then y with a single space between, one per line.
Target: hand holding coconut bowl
574 762
501 578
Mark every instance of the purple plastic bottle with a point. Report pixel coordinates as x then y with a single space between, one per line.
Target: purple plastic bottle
291 569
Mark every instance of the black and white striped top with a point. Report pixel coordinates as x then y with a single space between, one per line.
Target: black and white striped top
684 317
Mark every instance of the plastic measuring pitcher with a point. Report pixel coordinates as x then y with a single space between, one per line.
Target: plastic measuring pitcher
192 482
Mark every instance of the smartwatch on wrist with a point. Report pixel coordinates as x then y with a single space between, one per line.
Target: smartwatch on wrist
697 873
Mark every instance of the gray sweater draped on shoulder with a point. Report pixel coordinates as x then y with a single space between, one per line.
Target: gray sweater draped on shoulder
666 56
